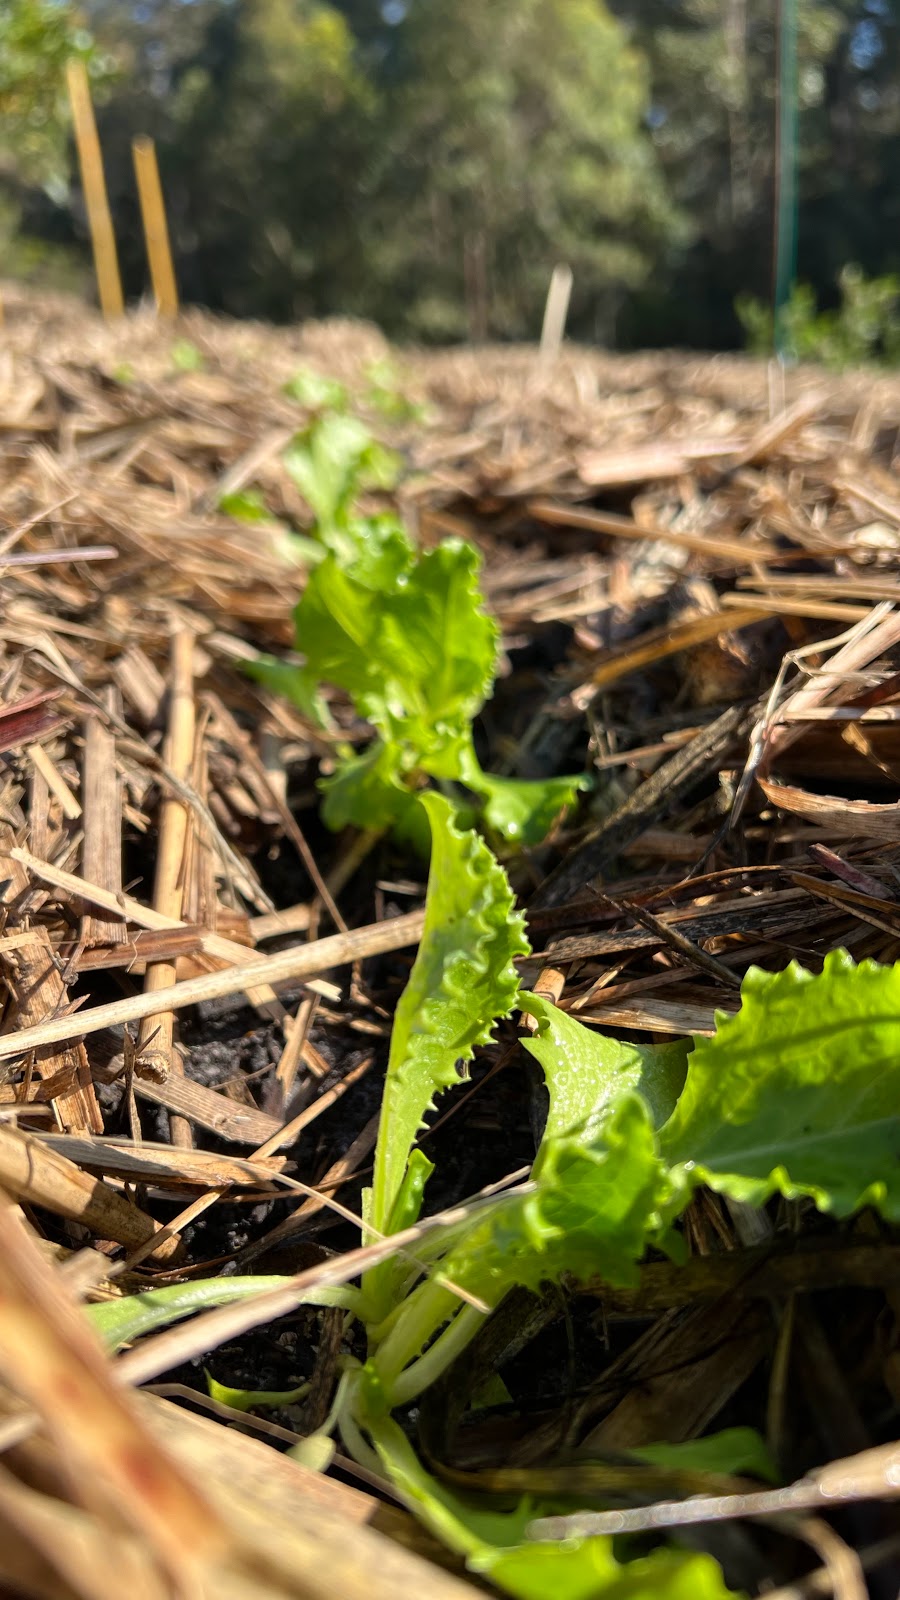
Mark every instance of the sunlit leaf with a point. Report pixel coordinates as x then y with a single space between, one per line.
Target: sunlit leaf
463 979
331 461
799 1092
521 811
316 391
584 1069
590 1210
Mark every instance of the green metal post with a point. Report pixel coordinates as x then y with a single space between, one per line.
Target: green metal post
786 132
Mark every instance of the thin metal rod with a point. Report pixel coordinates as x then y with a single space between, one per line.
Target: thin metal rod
786 133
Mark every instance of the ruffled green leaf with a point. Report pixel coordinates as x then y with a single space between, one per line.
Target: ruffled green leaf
799 1093
379 550
463 980
593 1206
331 461
521 811
584 1070
410 644
338 628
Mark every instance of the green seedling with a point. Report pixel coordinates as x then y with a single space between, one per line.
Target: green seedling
316 392
186 357
406 635
795 1095
385 394
248 506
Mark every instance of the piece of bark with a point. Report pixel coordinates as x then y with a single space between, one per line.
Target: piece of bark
227 1119
166 1166
713 1349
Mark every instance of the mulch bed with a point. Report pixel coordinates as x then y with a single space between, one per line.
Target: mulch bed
676 548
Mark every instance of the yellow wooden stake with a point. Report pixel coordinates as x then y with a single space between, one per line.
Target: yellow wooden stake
90 160
156 231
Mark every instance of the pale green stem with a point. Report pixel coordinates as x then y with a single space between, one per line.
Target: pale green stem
428 1307
120 1321
437 1358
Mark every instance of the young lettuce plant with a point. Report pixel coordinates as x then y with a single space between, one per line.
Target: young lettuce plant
796 1094
406 636
332 460
597 1192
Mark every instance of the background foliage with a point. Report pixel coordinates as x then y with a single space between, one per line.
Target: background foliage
426 164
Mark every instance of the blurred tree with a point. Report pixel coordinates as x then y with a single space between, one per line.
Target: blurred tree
37 38
426 162
274 127
850 198
426 165
257 108
713 68
511 138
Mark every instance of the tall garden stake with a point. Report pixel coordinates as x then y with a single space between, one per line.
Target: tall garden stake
90 161
156 231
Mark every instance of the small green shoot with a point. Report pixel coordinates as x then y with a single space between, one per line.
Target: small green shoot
385 394
316 392
245 505
248 505
332 461
254 1399
186 357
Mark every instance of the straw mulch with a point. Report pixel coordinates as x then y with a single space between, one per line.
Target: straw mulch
675 548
